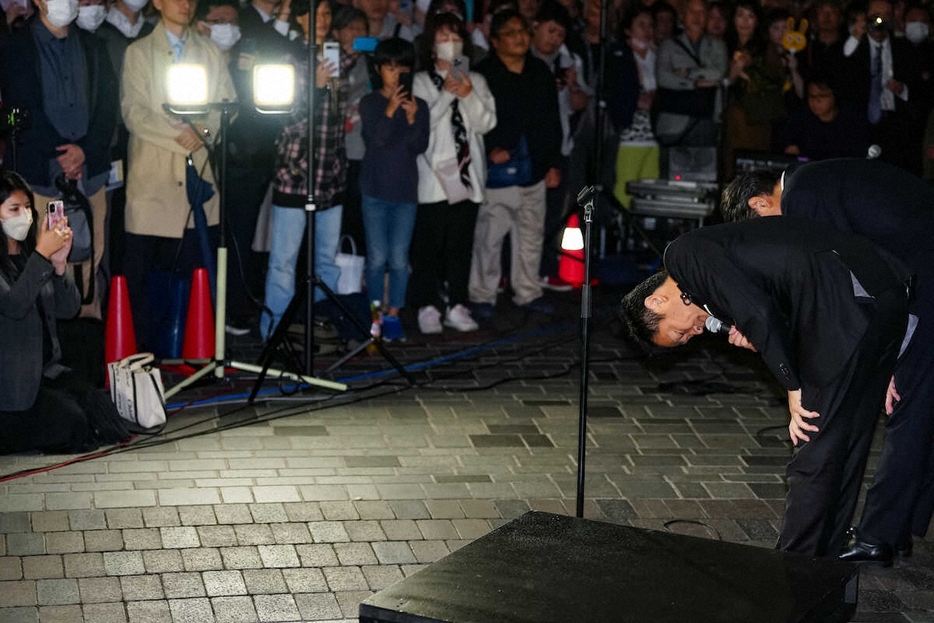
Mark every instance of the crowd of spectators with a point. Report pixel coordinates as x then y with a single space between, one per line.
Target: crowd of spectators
459 133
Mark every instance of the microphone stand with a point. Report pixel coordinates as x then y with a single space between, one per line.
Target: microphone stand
585 199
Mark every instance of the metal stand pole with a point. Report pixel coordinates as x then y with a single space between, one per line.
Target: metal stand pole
586 200
310 207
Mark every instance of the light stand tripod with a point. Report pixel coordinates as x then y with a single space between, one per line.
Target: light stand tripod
218 364
312 280
585 199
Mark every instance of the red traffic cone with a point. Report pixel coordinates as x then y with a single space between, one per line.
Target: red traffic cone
199 326
120 338
571 262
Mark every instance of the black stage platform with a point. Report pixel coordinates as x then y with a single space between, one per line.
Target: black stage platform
546 568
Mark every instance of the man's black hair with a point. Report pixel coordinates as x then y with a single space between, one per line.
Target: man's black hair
553 11
640 324
663 7
345 15
395 51
502 18
822 79
734 204
204 6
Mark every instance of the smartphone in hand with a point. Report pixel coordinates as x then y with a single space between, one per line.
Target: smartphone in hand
55 212
405 81
460 67
332 55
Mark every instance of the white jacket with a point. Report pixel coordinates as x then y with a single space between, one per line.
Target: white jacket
478 111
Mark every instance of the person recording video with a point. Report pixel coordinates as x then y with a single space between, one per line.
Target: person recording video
44 406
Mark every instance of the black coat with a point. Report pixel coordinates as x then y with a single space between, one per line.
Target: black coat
787 285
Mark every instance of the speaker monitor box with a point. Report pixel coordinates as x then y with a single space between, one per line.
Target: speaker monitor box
544 568
692 164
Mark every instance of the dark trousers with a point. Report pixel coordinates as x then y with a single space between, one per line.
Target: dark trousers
555 200
146 254
901 489
442 245
56 422
825 473
352 217
246 189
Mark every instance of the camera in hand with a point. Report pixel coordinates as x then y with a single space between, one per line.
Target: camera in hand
13 120
878 24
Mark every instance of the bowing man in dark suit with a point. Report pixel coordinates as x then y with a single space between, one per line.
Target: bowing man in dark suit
827 313
895 210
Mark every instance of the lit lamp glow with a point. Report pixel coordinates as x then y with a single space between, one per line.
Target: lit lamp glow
572 240
188 89
273 88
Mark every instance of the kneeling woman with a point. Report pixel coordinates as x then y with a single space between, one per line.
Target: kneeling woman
41 409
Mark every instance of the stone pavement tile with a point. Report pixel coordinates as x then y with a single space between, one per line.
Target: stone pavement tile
188 497
394 553
50 521
105 613
368 530
345 578
319 555
264 581
349 601
471 528
57 592
278 556
199 515
268 512
355 554
401 530
617 511
180 537
11 568
123 563
409 509
181 585
42 567
382 576
305 580
373 510
64 542
233 514
649 508
129 499
84 565
436 529
224 583
141 587
758 529
729 490
68 501
328 532
276 608
554 506
21 593
429 551
234 610
479 509
195 610
142 538
241 557
161 516
217 536
318 606
318 493
103 540
276 493
15 522
19 615
120 518
202 559
339 511
510 509
306 511
60 614
254 534
444 509
163 561
284 533
25 544
99 590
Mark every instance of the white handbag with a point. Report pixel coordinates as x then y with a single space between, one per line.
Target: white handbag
351 265
137 391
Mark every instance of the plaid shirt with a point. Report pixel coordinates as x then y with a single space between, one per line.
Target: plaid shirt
290 188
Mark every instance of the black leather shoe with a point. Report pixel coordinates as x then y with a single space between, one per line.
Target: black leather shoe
868 554
903 550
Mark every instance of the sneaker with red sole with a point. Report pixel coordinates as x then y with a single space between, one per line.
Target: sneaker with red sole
555 283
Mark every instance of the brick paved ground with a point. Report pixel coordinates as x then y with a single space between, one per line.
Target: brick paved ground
312 507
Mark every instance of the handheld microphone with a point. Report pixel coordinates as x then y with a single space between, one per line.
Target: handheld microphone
715 325
874 152
586 194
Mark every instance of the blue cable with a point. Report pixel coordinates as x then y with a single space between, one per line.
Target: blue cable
410 368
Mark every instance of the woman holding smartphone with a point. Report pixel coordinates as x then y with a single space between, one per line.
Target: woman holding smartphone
43 405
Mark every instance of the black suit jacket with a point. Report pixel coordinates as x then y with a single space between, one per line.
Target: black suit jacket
882 202
787 285
855 88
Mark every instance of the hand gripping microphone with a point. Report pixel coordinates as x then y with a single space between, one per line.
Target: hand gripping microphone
715 325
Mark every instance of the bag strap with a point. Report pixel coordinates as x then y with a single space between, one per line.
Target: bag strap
353 243
139 358
677 41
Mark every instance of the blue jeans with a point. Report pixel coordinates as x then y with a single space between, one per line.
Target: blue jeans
388 227
288 232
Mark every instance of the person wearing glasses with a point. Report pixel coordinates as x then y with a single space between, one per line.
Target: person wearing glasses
827 312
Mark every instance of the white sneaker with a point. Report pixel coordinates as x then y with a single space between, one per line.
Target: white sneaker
429 320
459 318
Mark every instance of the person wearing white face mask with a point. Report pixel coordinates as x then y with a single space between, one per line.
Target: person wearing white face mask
91 14
217 20
43 405
61 74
